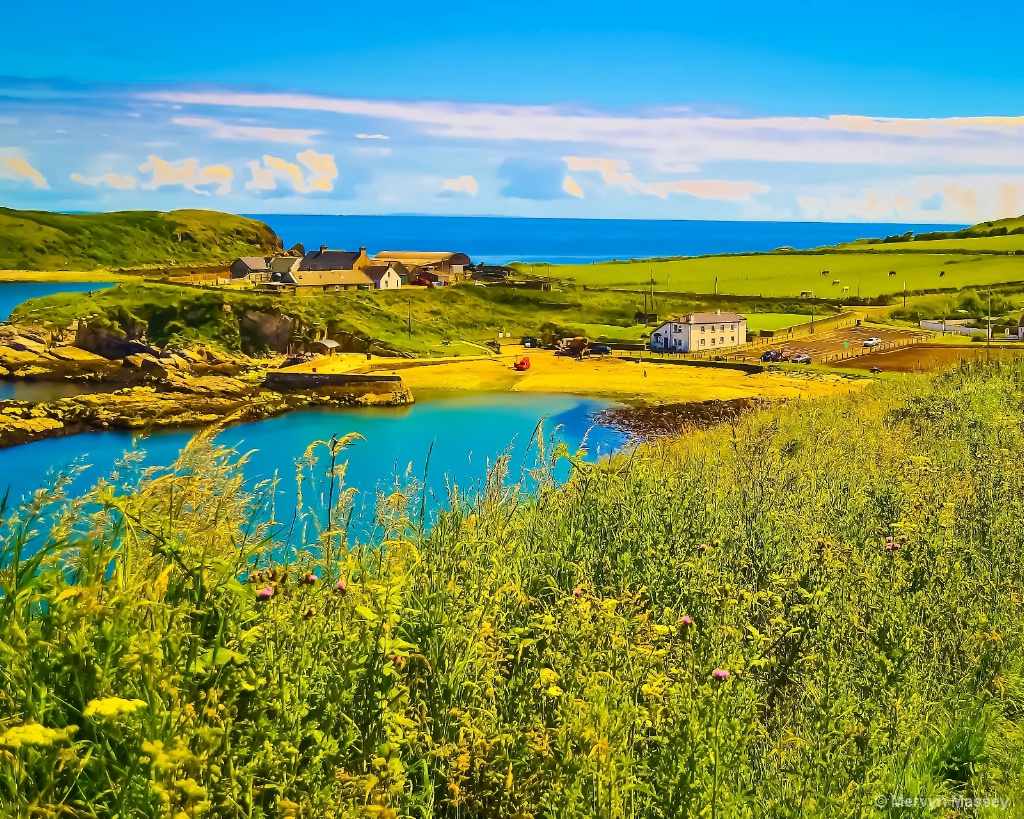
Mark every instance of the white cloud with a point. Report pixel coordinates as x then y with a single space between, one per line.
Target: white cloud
957 199
18 168
188 174
570 186
463 184
110 180
322 173
372 136
249 133
616 172
675 138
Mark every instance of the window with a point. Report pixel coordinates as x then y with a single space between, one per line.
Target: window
712 340
732 338
703 328
722 339
702 341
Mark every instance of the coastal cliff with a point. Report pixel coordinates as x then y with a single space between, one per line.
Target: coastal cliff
36 240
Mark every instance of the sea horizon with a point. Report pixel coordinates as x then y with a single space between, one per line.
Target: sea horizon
528 239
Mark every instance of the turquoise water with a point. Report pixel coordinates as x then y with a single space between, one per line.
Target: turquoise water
462 433
14 293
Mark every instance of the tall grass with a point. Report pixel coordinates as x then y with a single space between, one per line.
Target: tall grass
800 614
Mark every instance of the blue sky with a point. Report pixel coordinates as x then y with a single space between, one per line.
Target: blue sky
843 111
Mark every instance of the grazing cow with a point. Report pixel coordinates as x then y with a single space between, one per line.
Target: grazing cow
846 289
835 282
892 272
942 273
824 272
806 293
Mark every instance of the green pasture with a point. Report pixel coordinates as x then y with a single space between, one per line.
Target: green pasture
790 274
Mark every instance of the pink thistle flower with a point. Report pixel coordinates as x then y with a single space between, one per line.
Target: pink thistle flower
703 547
310 612
720 674
577 592
265 593
686 620
891 547
309 578
341 586
903 538
888 539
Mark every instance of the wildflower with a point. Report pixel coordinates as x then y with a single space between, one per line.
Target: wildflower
891 547
309 578
397 659
703 547
341 586
577 592
265 593
33 734
686 620
716 542
310 612
720 674
903 538
111 708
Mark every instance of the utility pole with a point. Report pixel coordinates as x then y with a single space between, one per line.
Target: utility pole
410 321
813 300
904 295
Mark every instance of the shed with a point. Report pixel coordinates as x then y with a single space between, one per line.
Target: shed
326 346
249 267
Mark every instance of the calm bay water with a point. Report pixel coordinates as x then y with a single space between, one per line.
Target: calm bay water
14 293
499 240
463 434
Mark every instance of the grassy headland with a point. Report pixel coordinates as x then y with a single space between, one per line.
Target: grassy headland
37 240
799 614
185 315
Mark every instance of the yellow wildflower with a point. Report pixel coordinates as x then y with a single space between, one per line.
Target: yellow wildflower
112 707
32 735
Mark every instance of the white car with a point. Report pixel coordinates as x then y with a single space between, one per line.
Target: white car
874 341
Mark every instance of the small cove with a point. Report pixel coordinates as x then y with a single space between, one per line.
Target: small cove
456 437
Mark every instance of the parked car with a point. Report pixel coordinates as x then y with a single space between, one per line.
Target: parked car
874 341
531 342
600 349
771 355
801 358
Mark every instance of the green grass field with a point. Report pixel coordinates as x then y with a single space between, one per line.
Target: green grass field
790 274
185 315
976 256
796 614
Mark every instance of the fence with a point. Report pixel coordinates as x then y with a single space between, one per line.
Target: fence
857 352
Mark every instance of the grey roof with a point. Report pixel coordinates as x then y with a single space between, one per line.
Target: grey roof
329 343
379 271
328 278
253 262
710 317
329 260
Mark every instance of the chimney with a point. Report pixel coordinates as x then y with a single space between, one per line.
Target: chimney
362 251
718 311
323 248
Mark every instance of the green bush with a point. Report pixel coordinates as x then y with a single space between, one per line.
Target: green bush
855 565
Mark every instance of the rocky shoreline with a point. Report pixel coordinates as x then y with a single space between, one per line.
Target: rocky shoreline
648 422
152 389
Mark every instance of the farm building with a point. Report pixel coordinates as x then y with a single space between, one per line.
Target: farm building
283 264
323 260
323 271
700 332
253 268
310 282
390 276
449 267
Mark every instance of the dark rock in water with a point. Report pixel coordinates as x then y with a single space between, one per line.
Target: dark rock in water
672 419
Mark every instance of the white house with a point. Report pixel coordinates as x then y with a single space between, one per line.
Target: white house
385 276
699 332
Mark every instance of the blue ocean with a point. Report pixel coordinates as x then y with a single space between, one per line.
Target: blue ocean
500 240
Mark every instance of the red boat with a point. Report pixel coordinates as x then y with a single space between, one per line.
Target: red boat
522 364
